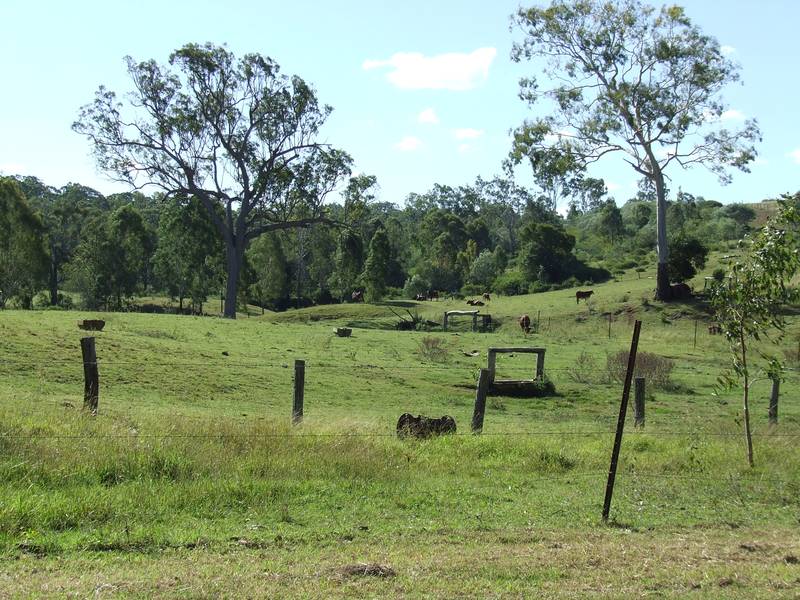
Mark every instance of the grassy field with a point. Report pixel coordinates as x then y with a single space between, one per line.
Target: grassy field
191 482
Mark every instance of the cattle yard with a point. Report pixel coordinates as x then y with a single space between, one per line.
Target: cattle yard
192 455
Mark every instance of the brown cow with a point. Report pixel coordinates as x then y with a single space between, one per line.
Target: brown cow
579 295
357 296
525 323
486 296
714 329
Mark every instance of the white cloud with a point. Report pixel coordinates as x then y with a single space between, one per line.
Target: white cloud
727 50
463 148
408 144
732 115
795 155
467 133
452 71
428 116
613 187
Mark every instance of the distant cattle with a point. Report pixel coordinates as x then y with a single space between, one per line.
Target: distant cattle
471 302
475 303
433 295
714 329
579 295
420 297
423 427
486 296
525 323
357 296
680 291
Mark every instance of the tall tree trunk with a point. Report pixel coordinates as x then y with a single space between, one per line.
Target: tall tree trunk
663 291
746 394
53 282
233 258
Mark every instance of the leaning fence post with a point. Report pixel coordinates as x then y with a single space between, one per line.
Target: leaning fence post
638 402
91 376
773 401
299 389
480 401
623 409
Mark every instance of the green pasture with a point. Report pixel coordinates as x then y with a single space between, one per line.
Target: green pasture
192 455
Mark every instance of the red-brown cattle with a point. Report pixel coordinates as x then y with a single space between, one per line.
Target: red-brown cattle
525 323
579 295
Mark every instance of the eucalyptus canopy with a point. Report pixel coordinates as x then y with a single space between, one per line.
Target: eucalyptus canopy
623 77
232 132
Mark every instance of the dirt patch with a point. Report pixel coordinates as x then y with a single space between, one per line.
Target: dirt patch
366 570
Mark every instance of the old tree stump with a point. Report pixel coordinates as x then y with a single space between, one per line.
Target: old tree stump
424 427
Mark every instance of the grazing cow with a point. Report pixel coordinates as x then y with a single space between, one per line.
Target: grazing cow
714 329
680 291
433 295
471 302
525 323
357 296
477 303
579 295
420 297
423 427
486 296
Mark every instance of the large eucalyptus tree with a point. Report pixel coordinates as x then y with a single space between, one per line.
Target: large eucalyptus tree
232 132
624 77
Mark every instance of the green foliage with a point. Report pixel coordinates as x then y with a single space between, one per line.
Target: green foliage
189 249
748 302
271 278
546 249
687 256
510 283
484 270
376 267
109 260
23 255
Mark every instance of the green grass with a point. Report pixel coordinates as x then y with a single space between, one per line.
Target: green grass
191 482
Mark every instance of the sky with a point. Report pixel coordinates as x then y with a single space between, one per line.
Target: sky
423 91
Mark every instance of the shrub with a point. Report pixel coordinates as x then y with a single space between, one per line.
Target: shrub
583 369
511 283
433 348
416 285
654 368
718 274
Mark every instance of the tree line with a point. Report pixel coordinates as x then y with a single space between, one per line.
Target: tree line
491 235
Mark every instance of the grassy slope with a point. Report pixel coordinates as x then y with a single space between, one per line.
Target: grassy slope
191 456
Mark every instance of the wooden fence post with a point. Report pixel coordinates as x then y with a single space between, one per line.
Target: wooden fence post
695 334
540 365
480 401
299 389
91 376
623 409
638 402
773 401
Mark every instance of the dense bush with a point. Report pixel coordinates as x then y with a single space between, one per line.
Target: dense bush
511 283
654 368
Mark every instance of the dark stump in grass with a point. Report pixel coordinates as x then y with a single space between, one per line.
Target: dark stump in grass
424 427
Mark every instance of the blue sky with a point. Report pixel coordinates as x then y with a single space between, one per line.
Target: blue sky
423 92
